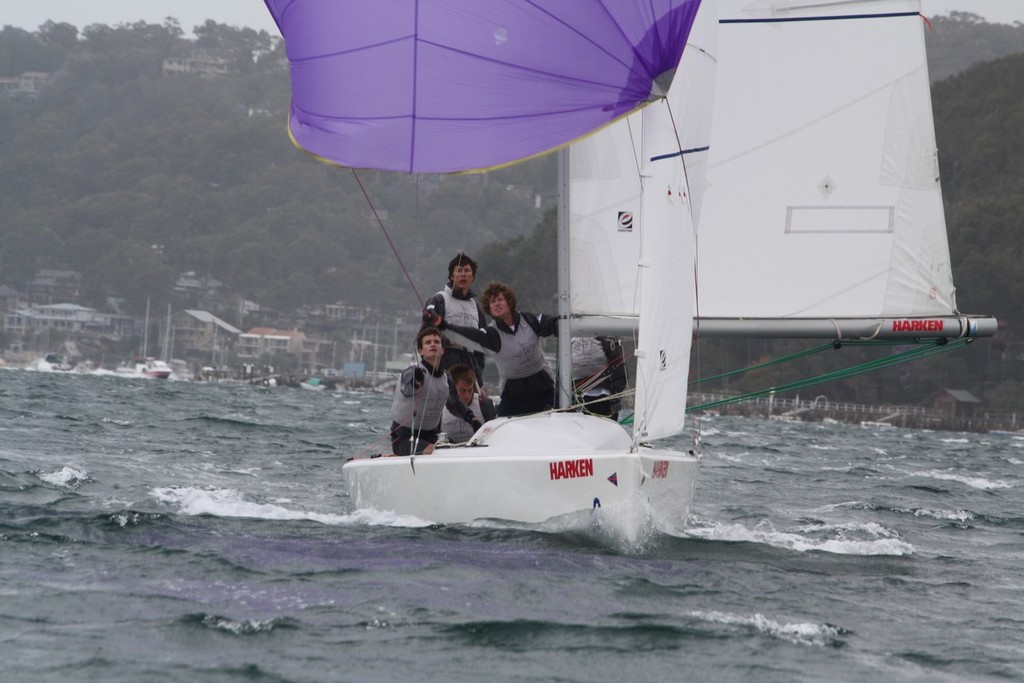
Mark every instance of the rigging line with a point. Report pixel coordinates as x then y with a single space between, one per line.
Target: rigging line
695 348
387 236
757 366
905 357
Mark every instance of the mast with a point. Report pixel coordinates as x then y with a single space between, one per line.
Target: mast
166 346
145 333
564 379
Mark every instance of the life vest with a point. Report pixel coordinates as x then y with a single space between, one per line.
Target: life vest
588 358
424 408
521 354
464 312
457 429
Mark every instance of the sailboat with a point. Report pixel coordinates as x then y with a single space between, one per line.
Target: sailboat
560 465
805 202
143 365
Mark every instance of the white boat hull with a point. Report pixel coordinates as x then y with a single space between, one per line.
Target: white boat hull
531 470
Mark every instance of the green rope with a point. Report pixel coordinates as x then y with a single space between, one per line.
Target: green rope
784 359
931 349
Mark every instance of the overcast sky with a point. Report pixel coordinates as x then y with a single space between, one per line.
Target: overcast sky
30 14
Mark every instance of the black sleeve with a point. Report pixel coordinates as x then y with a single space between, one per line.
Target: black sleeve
616 368
437 301
488 409
487 337
544 325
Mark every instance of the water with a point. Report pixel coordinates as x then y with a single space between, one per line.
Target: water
167 531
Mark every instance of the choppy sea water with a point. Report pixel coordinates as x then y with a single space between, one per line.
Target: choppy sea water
169 531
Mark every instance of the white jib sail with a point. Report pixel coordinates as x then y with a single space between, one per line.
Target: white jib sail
666 282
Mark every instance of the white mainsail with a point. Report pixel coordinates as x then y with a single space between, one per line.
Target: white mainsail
823 184
605 186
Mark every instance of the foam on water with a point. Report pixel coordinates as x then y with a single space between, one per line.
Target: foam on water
973 482
802 633
232 503
68 477
842 539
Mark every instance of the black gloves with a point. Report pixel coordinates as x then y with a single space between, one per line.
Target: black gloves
417 377
430 317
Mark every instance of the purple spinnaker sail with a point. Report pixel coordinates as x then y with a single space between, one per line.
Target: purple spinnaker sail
434 86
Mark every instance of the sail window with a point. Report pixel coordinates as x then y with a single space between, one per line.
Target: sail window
840 219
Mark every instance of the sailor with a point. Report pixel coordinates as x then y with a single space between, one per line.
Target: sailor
514 337
456 427
457 304
422 392
598 374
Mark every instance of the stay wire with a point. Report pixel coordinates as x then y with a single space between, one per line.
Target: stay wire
697 425
387 236
401 263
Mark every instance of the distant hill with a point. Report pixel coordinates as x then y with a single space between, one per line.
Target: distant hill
958 41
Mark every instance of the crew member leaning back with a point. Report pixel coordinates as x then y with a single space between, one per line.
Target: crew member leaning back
514 337
422 392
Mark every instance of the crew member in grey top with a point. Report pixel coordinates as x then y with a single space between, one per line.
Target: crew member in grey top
457 304
514 337
422 392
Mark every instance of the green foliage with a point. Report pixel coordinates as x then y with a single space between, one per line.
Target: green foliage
528 264
957 41
979 122
127 174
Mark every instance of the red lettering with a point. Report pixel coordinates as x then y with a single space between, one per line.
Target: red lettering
918 325
660 470
571 469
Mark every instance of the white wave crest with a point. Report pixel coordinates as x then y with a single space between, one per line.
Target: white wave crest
232 503
239 627
841 539
974 482
950 515
67 477
802 633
